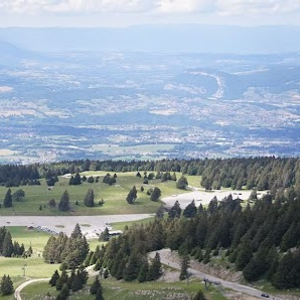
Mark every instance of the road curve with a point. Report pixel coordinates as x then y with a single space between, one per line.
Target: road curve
228 284
24 284
89 269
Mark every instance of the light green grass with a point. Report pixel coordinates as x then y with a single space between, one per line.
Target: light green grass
121 290
121 225
114 197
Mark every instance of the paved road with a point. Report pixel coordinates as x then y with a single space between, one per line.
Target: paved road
90 225
231 285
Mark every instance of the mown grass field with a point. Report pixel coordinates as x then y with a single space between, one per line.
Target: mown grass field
114 196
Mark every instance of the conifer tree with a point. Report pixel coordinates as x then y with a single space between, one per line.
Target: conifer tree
155 195
184 267
64 203
54 278
8 199
191 210
143 274
64 292
8 247
89 198
6 286
95 286
99 295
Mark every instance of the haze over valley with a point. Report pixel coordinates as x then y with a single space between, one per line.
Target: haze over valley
73 103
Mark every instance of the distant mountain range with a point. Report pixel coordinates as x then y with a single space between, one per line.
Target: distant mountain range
166 38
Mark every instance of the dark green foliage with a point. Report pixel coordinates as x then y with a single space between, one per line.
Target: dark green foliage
191 210
6 286
76 180
144 271
155 195
62 280
184 267
175 211
64 292
160 212
18 195
95 286
89 198
64 203
199 296
132 195
52 203
132 269
54 278
71 251
8 199
8 247
155 269
182 183
99 295
104 236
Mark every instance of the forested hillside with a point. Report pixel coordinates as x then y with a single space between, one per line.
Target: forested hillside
262 241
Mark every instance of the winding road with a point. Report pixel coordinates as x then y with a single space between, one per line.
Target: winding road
164 253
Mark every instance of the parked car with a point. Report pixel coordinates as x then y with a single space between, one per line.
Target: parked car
265 295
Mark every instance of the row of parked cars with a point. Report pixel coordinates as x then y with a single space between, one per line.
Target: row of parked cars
45 229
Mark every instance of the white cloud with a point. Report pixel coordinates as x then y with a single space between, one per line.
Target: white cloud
186 6
151 11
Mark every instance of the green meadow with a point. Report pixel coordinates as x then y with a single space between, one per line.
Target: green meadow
113 289
114 196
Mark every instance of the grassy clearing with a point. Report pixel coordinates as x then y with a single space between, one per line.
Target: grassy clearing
114 197
129 291
121 225
36 267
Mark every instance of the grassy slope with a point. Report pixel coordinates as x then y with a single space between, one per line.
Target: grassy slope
114 196
128 291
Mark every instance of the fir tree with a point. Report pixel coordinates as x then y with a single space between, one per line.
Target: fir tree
8 199
95 286
184 267
54 278
8 247
6 286
99 295
143 274
182 183
155 195
190 211
89 198
64 292
64 203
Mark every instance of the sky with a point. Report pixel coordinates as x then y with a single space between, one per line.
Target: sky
124 13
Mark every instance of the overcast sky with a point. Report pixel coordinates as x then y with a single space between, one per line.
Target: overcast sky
123 13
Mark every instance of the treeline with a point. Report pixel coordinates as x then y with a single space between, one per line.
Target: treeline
8 248
262 241
262 173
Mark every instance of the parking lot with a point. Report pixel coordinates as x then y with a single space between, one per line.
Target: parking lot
91 226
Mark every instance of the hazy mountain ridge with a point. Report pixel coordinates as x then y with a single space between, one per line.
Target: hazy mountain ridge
153 38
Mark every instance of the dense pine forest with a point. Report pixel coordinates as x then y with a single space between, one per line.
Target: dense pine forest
262 241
